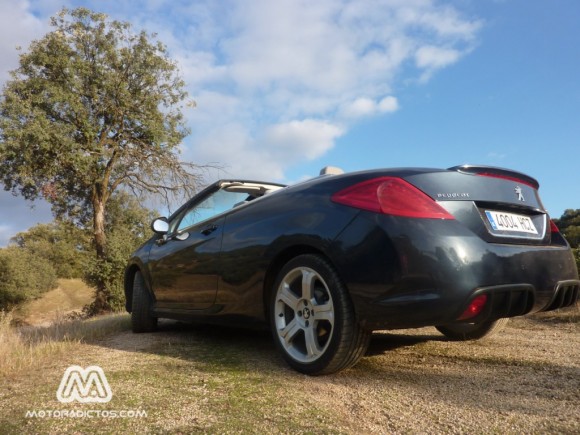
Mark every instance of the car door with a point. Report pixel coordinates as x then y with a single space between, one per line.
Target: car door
185 264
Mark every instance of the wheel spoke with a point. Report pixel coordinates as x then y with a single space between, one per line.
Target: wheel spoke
308 279
286 296
324 312
311 343
289 331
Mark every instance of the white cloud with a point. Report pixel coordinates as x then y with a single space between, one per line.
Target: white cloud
307 139
442 20
18 27
367 107
431 57
268 155
388 104
360 107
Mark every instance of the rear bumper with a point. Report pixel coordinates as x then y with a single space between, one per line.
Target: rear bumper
566 295
415 272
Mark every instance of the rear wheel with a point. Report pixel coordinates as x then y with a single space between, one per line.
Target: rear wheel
313 320
142 319
473 331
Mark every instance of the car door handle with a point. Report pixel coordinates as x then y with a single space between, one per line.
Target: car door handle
209 229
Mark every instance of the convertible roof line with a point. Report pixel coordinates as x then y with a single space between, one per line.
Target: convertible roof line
249 186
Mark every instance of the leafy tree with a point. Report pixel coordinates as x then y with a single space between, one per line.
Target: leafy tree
569 224
576 252
93 107
62 243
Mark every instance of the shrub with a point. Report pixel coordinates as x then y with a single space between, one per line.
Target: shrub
65 245
111 269
23 276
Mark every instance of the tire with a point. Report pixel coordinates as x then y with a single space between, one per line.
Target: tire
313 319
142 319
473 331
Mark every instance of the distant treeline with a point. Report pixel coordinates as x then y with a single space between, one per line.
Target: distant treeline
35 258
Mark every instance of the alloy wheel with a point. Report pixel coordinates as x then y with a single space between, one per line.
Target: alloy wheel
304 314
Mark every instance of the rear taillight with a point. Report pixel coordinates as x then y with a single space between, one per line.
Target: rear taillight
474 308
553 227
391 195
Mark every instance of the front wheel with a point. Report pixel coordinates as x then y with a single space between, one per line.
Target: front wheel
313 320
473 331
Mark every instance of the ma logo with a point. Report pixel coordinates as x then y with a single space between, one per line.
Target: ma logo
84 385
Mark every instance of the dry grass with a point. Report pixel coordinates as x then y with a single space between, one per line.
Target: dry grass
29 347
47 332
70 295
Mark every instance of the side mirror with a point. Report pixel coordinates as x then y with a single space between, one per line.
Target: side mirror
160 226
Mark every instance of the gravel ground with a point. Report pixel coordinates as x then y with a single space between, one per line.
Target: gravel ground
215 380
525 380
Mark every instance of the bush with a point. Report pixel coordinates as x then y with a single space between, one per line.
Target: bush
23 276
65 245
111 270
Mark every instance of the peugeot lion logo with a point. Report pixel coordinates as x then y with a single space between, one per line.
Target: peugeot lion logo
518 190
88 385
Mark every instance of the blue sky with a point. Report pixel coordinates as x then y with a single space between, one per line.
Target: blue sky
284 88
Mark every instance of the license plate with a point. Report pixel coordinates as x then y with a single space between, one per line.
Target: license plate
510 222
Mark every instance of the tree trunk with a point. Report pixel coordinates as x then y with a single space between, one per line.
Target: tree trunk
101 303
99 228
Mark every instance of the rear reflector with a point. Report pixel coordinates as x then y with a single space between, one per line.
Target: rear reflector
393 196
474 308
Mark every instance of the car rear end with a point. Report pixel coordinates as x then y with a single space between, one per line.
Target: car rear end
431 247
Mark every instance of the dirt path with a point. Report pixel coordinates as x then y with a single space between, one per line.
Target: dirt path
70 295
218 380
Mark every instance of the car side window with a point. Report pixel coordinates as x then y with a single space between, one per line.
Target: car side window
213 205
